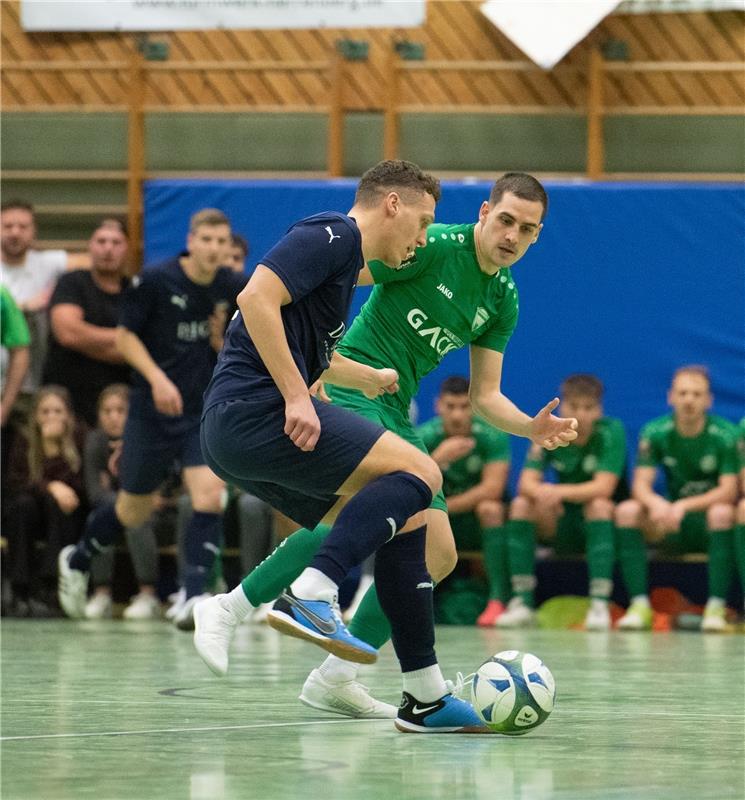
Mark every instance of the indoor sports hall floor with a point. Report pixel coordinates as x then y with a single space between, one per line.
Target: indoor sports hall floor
109 710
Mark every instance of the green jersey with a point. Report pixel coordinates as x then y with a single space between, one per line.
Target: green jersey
437 301
13 327
604 451
692 464
465 473
741 443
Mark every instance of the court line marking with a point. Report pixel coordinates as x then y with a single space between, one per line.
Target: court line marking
189 730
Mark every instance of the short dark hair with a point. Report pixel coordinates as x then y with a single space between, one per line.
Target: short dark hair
693 369
455 384
522 185
10 205
113 222
582 385
402 176
240 241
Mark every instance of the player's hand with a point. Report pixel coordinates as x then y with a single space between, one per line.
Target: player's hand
167 397
551 432
675 513
659 514
318 390
453 448
65 497
382 381
301 423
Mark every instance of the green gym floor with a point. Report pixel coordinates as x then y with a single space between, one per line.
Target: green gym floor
109 710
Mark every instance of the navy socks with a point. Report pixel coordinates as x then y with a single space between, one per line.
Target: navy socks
202 540
370 518
102 529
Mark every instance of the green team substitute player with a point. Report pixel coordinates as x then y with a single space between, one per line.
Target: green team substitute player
575 512
455 291
474 458
697 452
740 526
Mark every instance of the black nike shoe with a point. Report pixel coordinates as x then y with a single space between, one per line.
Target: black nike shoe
449 714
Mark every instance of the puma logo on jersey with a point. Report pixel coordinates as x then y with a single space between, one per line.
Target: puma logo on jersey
444 290
331 234
179 300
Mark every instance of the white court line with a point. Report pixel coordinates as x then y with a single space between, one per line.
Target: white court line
188 730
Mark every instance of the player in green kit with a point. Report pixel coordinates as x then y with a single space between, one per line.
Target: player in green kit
740 526
457 290
475 461
697 452
575 512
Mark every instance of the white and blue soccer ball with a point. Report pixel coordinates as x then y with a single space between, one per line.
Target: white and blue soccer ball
513 692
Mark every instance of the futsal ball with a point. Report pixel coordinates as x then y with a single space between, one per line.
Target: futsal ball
513 692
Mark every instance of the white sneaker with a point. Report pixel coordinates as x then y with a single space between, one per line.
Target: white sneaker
598 617
637 618
214 628
350 699
177 600
714 619
99 606
517 615
184 620
142 606
72 585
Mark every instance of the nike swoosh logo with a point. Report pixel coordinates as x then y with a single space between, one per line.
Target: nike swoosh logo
425 585
417 710
323 625
392 523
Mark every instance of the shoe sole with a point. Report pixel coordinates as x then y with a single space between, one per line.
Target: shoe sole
409 727
284 624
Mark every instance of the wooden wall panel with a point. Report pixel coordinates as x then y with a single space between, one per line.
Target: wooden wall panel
454 30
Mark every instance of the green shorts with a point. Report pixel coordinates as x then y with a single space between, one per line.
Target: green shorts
391 417
467 531
570 531
693 536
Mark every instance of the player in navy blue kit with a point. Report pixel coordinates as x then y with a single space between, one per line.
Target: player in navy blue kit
264 432
164 334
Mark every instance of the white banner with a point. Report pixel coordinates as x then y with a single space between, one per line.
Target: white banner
546 30
198 15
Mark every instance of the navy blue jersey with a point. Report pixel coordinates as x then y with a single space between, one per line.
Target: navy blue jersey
170 314
318 260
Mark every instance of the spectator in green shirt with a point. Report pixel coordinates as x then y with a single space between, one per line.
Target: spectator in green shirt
475 460
575 511
14 337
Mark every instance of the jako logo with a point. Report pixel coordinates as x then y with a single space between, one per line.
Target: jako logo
440 339
444 289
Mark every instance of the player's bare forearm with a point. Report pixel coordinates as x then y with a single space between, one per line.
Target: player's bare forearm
530 480
135 353
345 372
501 412
19 360
601 486
725 492
468 500
641 487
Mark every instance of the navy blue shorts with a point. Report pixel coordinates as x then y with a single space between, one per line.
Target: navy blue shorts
244 442
151 447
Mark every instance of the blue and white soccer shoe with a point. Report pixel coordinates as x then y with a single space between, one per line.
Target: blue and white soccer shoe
449 714
319 622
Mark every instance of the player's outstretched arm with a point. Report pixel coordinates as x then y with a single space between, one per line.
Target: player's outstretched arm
351 374
487 399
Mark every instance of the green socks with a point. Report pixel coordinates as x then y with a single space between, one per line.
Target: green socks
369 623
632 556
496 562
600 558
521 550
740 553
721 562
286 562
